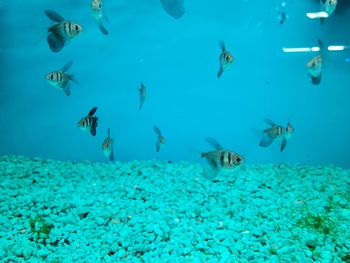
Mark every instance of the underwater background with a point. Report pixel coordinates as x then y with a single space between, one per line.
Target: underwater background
151 69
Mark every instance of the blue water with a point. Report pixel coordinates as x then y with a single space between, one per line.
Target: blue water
177 59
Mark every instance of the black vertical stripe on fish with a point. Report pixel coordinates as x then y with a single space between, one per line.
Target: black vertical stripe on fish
229 160
222 159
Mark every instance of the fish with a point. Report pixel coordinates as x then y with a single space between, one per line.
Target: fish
142 91
89 123
225 58
328 6
315 69
160 138
61 32
174 8
60 79
98 15
276 132
220 158
107 147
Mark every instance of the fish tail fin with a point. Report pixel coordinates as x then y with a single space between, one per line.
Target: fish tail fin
55 43
140 106
72 78
219 74
102 29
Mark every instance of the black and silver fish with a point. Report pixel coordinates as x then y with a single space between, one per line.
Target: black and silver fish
314 67
160 138
107 147
89 123
61 32
60 79
225 58
276 132
220 159
98 15
142 92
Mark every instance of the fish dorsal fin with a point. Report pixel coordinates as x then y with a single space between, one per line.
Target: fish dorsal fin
157 130
214 143
108 132
92 111
54 16
270 122
222 45
67 66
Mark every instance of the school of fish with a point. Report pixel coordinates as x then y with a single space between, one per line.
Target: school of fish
62 31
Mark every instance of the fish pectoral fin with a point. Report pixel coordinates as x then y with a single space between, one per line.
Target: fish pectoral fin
67 66
102 29
265 141
283 144
55 43
66 88
54 16
316 80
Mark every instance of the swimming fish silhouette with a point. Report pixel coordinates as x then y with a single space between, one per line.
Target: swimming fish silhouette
61 32
174 8
60 79
89 123
107 147
225 58
98 15
160 138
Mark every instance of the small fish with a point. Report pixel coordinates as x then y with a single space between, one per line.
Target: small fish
60 79
107 147
142 91
174 8
276 132
226 59
98 15
61 32
220 159
89 123
160 139
315 69
282 17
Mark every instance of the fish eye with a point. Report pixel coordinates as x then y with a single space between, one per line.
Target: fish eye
238 159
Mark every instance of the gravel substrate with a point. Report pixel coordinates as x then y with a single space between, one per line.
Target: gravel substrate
154 211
